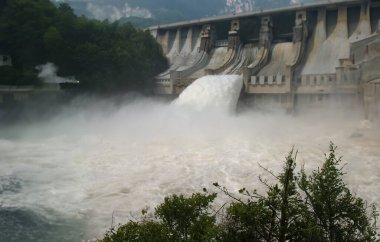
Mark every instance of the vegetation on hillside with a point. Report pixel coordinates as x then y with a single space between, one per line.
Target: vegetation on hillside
103 56
299 207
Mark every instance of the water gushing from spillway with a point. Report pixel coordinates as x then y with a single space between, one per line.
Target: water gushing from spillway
213 93
98 163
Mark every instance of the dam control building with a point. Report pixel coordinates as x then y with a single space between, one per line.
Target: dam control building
293 57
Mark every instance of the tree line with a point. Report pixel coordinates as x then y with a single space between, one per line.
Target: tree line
103 56
300 207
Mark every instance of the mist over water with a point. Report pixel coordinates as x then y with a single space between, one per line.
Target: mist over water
99 162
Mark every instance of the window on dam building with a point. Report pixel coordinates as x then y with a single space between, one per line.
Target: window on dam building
221 29
283 27
250 29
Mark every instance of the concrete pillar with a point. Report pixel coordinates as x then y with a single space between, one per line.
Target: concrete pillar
365 20
262 80
207 38
320 32
279 79
270 79
185 42
300 28
177 40
233 34
190 37
341 29
163 40
265 40
266 31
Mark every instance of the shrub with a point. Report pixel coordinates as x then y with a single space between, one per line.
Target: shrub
178 219
339 215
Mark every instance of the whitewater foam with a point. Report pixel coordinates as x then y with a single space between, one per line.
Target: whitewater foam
219 92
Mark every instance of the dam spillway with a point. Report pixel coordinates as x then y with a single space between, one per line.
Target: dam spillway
295 57
212 93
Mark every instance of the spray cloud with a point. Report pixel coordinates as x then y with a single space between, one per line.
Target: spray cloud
48 74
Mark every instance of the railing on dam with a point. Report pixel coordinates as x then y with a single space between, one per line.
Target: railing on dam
316 80
267 80
163 81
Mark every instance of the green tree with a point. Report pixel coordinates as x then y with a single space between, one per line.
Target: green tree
340 216
180 218
144 231
188 219
53 39
278 216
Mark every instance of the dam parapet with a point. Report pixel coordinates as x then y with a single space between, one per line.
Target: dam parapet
292 57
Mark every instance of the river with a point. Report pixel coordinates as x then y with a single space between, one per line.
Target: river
97 163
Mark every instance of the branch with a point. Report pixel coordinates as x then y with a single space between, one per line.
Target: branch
226 192
269 171
216 212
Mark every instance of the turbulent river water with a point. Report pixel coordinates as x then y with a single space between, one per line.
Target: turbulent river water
98 163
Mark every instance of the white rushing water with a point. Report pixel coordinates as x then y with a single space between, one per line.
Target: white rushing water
218 93
96 161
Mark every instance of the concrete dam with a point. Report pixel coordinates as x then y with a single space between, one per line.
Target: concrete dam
299 56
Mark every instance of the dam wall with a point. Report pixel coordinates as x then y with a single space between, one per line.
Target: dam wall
294 57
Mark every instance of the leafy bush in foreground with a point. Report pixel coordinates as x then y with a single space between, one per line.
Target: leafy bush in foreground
299 207
180 219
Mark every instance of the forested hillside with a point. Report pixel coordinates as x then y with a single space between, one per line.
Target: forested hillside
101 55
